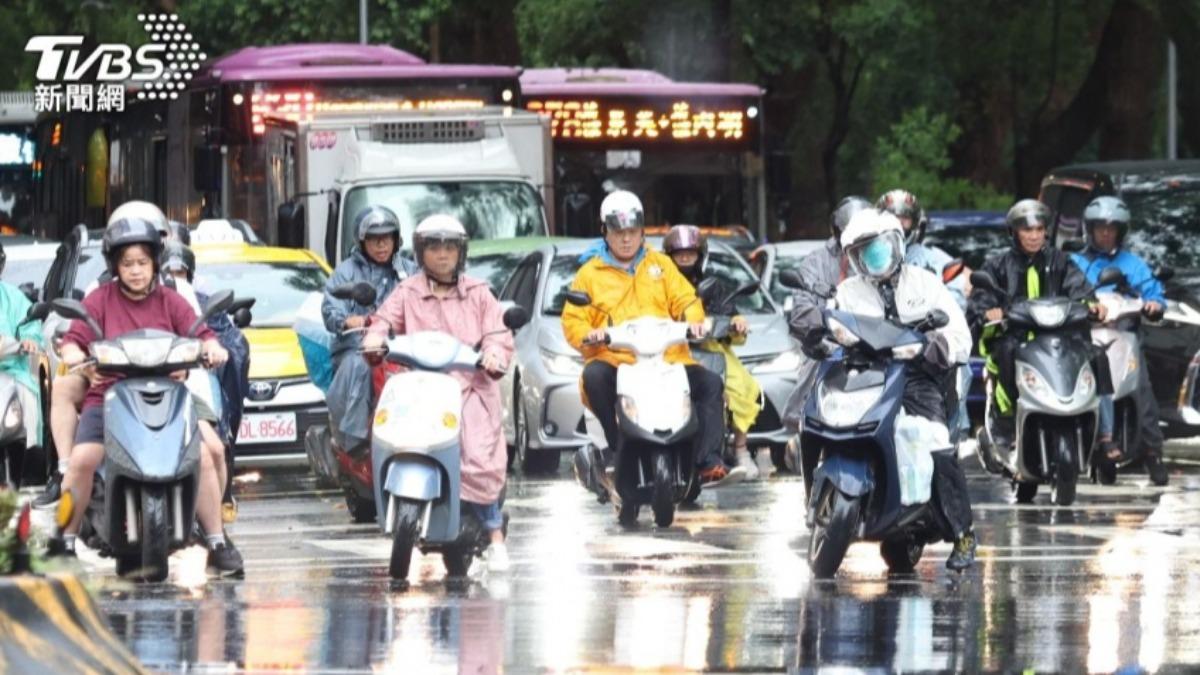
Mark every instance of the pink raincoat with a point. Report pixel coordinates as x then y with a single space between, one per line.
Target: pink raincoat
466 313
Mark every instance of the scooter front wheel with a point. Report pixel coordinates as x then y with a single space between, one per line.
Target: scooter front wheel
1066 471
404 536
156 535
834 526
664 490
901 554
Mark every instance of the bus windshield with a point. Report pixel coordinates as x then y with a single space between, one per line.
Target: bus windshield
487 209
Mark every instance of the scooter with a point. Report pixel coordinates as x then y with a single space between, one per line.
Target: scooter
863 487
13 459
144 494
654 462
415 448
1057 405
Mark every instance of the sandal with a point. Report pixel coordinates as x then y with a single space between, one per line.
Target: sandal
1111 452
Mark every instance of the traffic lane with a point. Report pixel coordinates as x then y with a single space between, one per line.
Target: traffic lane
1104 584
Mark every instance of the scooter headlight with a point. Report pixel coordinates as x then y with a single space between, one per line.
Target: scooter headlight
147 352
629 408
185 351
846 408
12 416
841 333
1034 382
1049 316
1085 386
109 354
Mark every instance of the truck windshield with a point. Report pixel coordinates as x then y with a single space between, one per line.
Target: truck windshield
488 209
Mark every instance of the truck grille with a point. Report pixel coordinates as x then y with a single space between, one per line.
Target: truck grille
428 131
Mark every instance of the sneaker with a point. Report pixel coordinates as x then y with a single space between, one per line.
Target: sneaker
50 495
745 461
497 558
963 555
766 467
1156 468
225 561
719 475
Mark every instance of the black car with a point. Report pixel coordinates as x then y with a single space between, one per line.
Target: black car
1164 200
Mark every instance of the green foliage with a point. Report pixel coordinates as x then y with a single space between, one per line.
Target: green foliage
915 156
8 537
582 32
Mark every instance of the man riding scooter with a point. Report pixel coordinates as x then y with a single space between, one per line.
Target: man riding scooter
688 249
886 287
377 261
441 298
1030 269
14 306
1106 223
135 299
626 280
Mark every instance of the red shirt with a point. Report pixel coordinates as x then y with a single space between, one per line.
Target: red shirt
163 309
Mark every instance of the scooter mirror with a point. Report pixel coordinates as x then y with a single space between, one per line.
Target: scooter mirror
1164 273
360 292
1110 276
73 309
29 291
791 279
217 303
242 317
37 312
952 270
516 317
1073 245
984 280
579 298
937 319
707 286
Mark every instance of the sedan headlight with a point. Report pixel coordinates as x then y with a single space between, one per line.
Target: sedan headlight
562 364
788 361
12 416
109 354
841 333
1049 316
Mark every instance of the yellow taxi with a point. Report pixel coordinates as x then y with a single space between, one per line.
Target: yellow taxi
282 402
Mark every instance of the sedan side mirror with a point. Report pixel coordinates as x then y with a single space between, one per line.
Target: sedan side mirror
791 279
579 298
516 317
1164 273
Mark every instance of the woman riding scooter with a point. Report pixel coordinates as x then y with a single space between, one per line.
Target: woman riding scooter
441 298
688 249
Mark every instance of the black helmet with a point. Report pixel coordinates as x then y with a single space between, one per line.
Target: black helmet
3 258
179 232
844 211
904 204
177 256
126 232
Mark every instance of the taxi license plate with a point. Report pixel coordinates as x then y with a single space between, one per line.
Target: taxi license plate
267 428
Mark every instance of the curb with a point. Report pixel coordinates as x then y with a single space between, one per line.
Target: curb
51 624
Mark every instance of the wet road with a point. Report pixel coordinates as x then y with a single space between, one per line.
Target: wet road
1109 583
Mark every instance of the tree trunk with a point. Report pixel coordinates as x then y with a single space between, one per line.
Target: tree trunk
1134 84
1181 20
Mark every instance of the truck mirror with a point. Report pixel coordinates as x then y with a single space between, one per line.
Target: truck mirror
290 221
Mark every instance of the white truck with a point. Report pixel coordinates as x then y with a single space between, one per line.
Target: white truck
489 167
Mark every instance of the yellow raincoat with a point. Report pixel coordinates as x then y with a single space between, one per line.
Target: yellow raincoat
742 393
655 288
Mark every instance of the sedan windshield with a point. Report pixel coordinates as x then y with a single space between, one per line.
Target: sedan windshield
279 288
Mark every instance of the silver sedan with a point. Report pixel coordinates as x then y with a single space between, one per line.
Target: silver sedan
543 410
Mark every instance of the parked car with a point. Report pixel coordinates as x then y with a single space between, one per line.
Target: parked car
770 260
543 410
1164 200
283 402
28 259
494 260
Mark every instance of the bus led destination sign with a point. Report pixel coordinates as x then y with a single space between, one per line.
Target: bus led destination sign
648 122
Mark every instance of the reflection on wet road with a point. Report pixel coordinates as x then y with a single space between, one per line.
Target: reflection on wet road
1107 584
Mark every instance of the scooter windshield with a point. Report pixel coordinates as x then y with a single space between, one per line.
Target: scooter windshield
648 336
877 333
433 351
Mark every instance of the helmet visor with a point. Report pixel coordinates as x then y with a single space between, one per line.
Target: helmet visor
624 219
877 257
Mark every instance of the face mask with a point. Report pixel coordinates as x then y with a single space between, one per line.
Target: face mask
877 256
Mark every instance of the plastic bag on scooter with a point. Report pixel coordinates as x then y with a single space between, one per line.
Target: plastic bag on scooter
315 341
916 438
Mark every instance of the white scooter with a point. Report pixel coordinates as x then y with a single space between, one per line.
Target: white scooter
415 450
654 458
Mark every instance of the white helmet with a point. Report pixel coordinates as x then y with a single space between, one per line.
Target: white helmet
621 210
142 210
874 243
440 227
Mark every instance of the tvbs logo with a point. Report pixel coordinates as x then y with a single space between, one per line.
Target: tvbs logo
62 60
